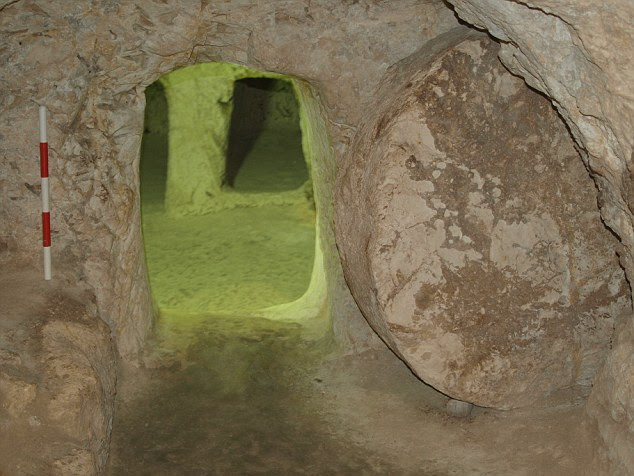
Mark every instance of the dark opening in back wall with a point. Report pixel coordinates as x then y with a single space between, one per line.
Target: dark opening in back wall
265 140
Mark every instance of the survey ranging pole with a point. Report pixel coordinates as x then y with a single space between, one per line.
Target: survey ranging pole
46 212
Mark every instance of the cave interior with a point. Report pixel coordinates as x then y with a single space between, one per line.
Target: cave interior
317 237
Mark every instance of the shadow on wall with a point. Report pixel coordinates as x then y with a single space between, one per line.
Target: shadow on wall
154 147
251 98
253 146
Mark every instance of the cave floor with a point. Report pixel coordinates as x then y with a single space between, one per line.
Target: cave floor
230 261
229 395
235 259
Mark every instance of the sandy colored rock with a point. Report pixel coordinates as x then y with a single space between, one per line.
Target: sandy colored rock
470 233
610 403
90 63
579 54
458 408
78 463
57 378
16 394
79 366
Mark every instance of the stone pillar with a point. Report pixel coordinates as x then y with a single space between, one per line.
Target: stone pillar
199 100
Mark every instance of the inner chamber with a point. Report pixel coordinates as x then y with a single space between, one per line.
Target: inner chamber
227 209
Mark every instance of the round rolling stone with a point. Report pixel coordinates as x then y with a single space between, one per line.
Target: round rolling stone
470 235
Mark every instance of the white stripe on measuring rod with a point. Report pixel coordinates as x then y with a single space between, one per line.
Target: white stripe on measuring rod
42 123
45 205
47 263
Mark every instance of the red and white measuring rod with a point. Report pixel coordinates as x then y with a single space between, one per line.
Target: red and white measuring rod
46 212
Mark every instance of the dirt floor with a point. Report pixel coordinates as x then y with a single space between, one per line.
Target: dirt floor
234 260
229 395
239 396
238 259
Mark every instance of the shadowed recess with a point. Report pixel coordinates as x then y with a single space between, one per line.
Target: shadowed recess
265 141
153 164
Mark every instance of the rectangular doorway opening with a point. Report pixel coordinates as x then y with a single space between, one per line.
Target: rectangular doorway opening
227 207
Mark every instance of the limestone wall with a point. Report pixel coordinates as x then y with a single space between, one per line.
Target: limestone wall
199 115
200 101
90 62
57 378
267 103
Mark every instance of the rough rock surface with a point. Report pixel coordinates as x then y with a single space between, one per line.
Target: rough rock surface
579 53
471 236
90 61
57 379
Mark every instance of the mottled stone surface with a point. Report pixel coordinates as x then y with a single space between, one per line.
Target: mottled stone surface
57 379
579 53
89 62
471 236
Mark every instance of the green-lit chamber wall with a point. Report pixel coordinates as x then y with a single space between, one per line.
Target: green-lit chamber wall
226 195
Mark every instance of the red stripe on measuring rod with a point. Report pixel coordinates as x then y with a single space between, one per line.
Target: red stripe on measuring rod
46 228
44 159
